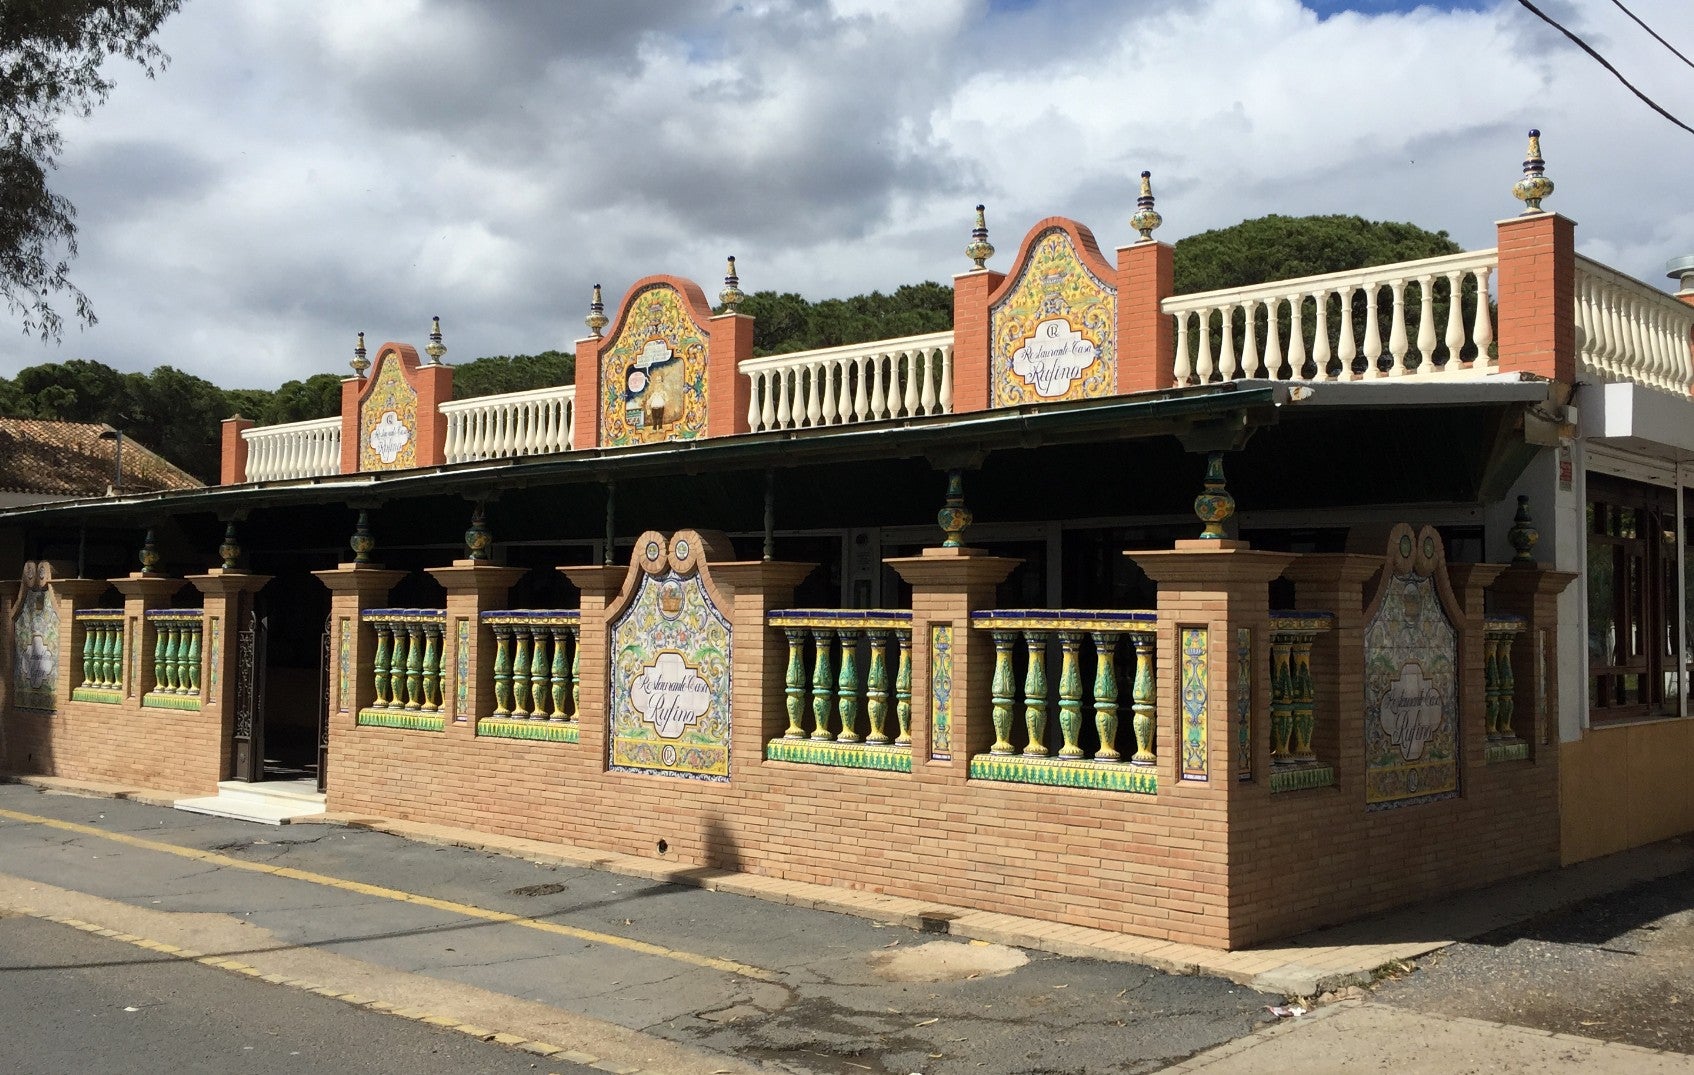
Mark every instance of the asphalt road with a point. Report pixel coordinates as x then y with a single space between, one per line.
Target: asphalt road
72 1003
1619 968
777 987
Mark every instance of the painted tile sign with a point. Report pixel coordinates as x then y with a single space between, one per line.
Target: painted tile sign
388 418
672 655
1054 332
35 640
1411 676
653 374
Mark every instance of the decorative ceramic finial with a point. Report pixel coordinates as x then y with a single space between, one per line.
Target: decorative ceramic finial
149 555
1522 536
954 517
1534 185
979 249
478 538
596 319
1146 218
1215 504
362 541
230 550
731 294
360 363
1682 271
436 348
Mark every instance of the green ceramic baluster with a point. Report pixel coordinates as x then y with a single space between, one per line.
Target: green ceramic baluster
1106 695
520 672
380 665
414 665
876 690
90 665
822 682
794 683
1508 690
195 631
1035 694
1304 699
903 689
161 657
1282 699
847 687
1070 694
1001 691
431 700
1143 696
560 672
538 666
502 670
576 671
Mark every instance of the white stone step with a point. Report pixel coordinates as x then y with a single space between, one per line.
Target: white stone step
276 802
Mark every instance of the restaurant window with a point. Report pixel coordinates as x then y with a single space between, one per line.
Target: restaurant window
1635 668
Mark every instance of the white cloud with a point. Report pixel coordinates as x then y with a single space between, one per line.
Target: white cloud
305 171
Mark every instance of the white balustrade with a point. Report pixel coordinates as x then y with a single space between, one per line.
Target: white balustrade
859 382
1303 330
295 450
537 422
1630 331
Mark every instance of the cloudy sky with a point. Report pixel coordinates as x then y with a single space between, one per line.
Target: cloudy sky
308 169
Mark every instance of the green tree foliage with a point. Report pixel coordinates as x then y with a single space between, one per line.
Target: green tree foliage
51 54
787 322
497 374
1279 247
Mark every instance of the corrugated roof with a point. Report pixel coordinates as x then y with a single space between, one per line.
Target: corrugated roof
69 459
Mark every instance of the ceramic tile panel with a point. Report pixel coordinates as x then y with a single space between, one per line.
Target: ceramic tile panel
1053 335
388 418
1196 690
653 373
35 640
941 692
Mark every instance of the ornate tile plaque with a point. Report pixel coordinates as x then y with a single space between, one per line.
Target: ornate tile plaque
35 640
1053 333
1196 667
941 692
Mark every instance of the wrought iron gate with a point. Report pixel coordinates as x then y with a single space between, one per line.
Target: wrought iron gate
323 705
249 731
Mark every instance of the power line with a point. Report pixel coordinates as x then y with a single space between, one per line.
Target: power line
1603 62
1654 34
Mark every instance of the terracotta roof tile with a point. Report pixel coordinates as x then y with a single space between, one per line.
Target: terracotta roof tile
69 459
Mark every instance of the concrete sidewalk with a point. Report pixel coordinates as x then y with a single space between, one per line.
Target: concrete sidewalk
1356 1036
1302 966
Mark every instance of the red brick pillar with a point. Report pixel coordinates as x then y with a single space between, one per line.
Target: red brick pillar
69 595
232 467
473 587
223 600
586 430
971 338
434 385
731 344
1146 334
754 588
141 592
601 586
948 584
1537 285
351 389
353 588
1220 588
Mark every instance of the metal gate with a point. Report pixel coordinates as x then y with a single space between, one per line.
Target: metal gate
323 706
249 732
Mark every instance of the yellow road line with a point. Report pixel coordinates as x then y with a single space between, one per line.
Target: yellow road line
728 966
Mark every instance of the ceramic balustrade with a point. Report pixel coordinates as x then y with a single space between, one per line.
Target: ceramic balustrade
1294 763
1631 331
1316 316
102 655
537 674
177 636
845 688
1500 688
294 450
408 668
1110 640
861 382
538 422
